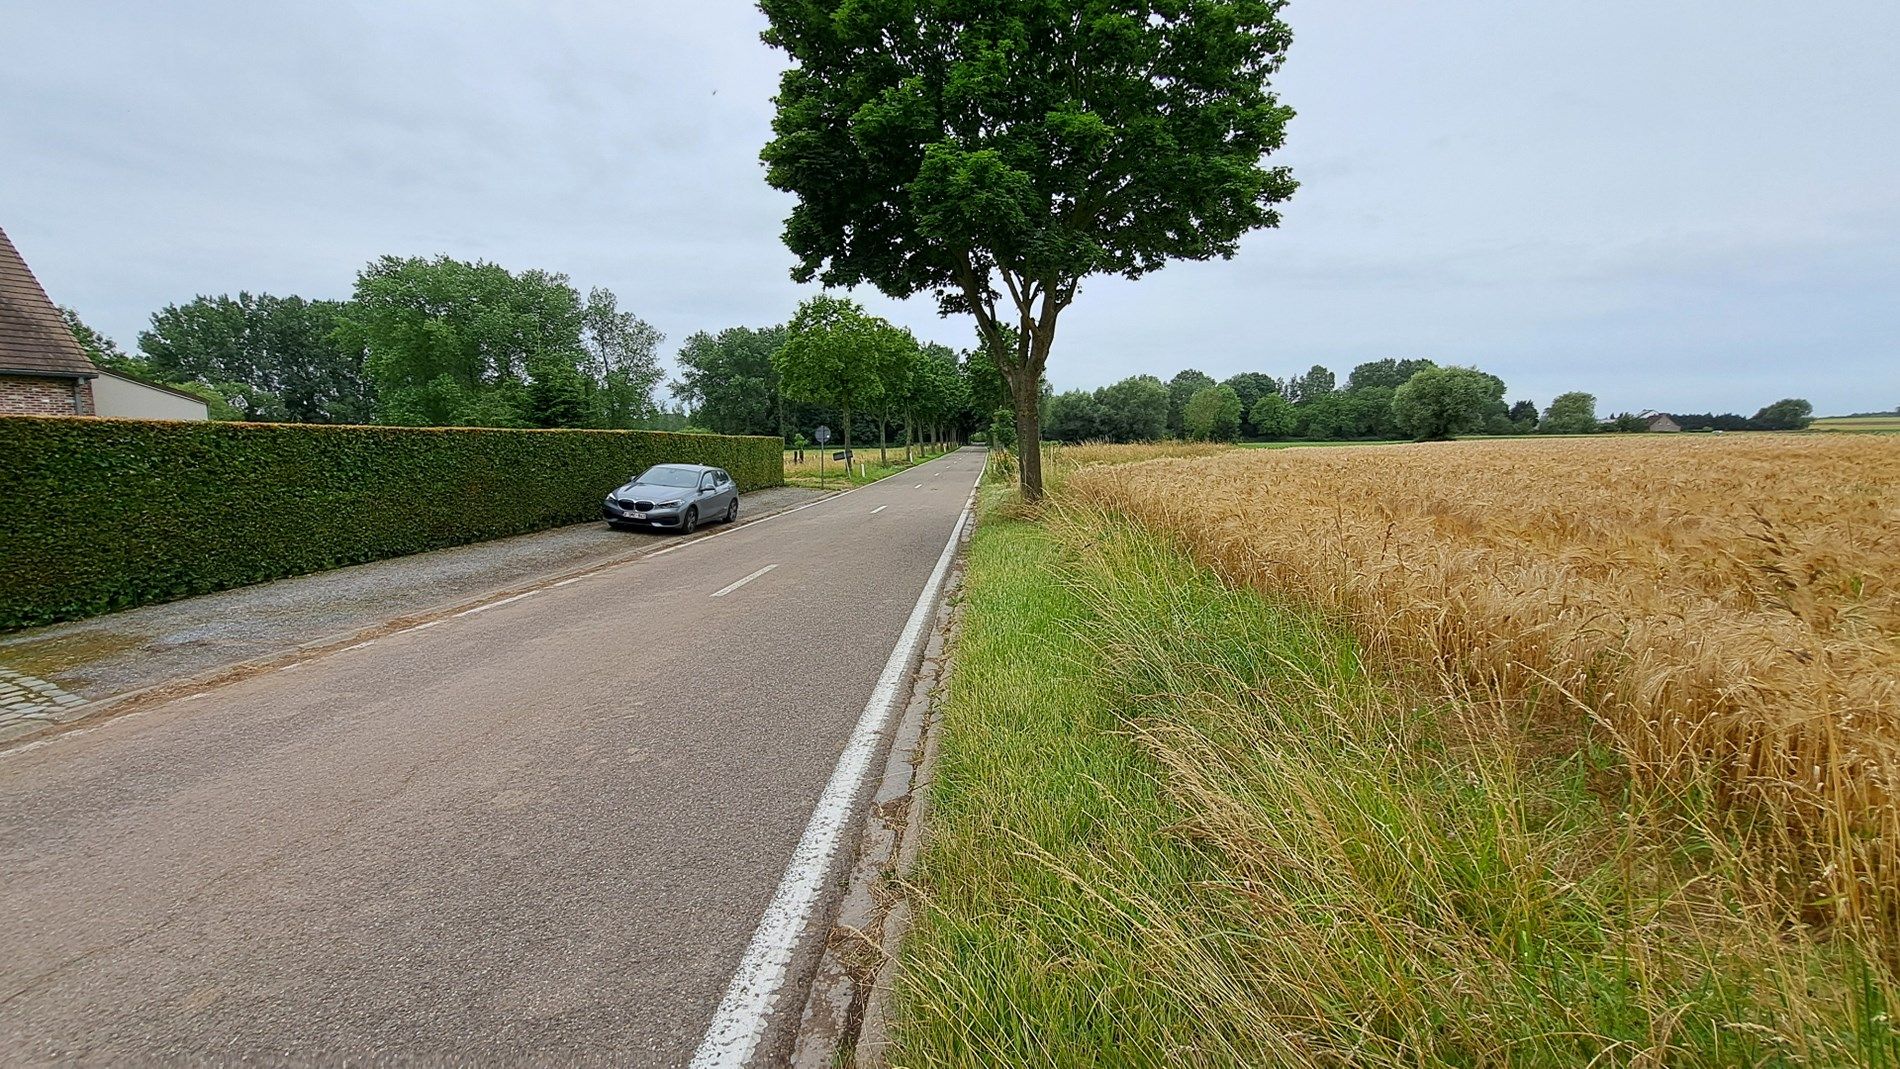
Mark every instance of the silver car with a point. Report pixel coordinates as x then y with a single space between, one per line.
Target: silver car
676 497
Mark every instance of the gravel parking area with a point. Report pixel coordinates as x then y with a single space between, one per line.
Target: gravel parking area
44 668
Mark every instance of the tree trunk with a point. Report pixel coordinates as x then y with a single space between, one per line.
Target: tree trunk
883 433
847 442
1028 437
910 435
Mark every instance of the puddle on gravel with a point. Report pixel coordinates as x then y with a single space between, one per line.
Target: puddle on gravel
46 657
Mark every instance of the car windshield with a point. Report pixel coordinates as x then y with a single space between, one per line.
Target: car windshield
664 475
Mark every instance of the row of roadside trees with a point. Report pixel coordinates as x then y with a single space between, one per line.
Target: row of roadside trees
446 342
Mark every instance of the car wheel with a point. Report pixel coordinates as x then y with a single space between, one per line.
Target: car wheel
732 510
690 522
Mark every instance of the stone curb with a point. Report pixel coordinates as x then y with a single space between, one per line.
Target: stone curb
846 1021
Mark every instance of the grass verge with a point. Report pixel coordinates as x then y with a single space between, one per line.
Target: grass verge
837 475
1176 823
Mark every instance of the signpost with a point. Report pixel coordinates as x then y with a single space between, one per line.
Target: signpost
823 434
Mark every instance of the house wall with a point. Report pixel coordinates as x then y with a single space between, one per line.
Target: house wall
127 399
23 395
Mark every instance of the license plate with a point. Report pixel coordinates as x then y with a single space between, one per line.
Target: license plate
639 515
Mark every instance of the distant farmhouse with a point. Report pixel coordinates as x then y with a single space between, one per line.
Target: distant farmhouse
1659 422
44 372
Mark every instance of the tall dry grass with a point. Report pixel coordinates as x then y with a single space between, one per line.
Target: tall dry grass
1721 613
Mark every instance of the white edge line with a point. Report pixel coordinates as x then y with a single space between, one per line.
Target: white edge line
493 604
737 583
739 1022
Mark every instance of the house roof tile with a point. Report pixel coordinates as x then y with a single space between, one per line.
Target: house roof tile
34 339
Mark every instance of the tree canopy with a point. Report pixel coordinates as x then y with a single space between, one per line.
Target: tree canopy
997 155
1213 414
833 355
1439 402
1571 413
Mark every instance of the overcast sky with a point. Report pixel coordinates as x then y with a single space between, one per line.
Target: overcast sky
1680 205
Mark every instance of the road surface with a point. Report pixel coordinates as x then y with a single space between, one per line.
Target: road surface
545 830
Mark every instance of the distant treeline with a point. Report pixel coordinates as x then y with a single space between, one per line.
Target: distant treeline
445 342
1381 399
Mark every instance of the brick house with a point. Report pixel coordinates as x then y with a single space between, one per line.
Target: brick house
43 371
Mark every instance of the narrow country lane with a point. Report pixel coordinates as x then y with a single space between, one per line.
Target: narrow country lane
541 831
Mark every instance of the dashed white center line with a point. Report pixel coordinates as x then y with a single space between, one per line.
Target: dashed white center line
737 583
879 509
919 486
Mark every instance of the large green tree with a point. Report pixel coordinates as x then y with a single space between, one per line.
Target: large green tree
1135 409
995 155
621 354
1183 386
1439 402
832 356
472 344
1571 413
1388 373
264 357
1318 382
1074 416
1251 386
1273 417
729 381
1213 414
1787 414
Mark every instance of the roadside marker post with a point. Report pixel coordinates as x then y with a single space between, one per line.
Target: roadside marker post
823 434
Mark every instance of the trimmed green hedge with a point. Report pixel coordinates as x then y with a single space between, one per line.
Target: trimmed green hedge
105 514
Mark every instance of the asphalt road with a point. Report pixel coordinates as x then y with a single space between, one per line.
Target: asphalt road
540 832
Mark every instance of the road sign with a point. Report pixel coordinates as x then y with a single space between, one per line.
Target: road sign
823 434
843 454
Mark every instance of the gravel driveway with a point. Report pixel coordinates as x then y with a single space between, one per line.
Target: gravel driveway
47 673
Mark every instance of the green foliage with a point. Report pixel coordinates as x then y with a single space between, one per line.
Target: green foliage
1789 414
107 514
834 355
452 343
101 350
1388 373
1002 430
1213 414
1571 413
1326 417
1183 386
1440 402
996 155
264 357
1318 382
729 380
1135 409
1626 423
1074 416
1524 415
1251 386
1273 417
621 355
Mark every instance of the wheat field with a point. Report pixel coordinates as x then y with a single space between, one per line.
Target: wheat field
1721 614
